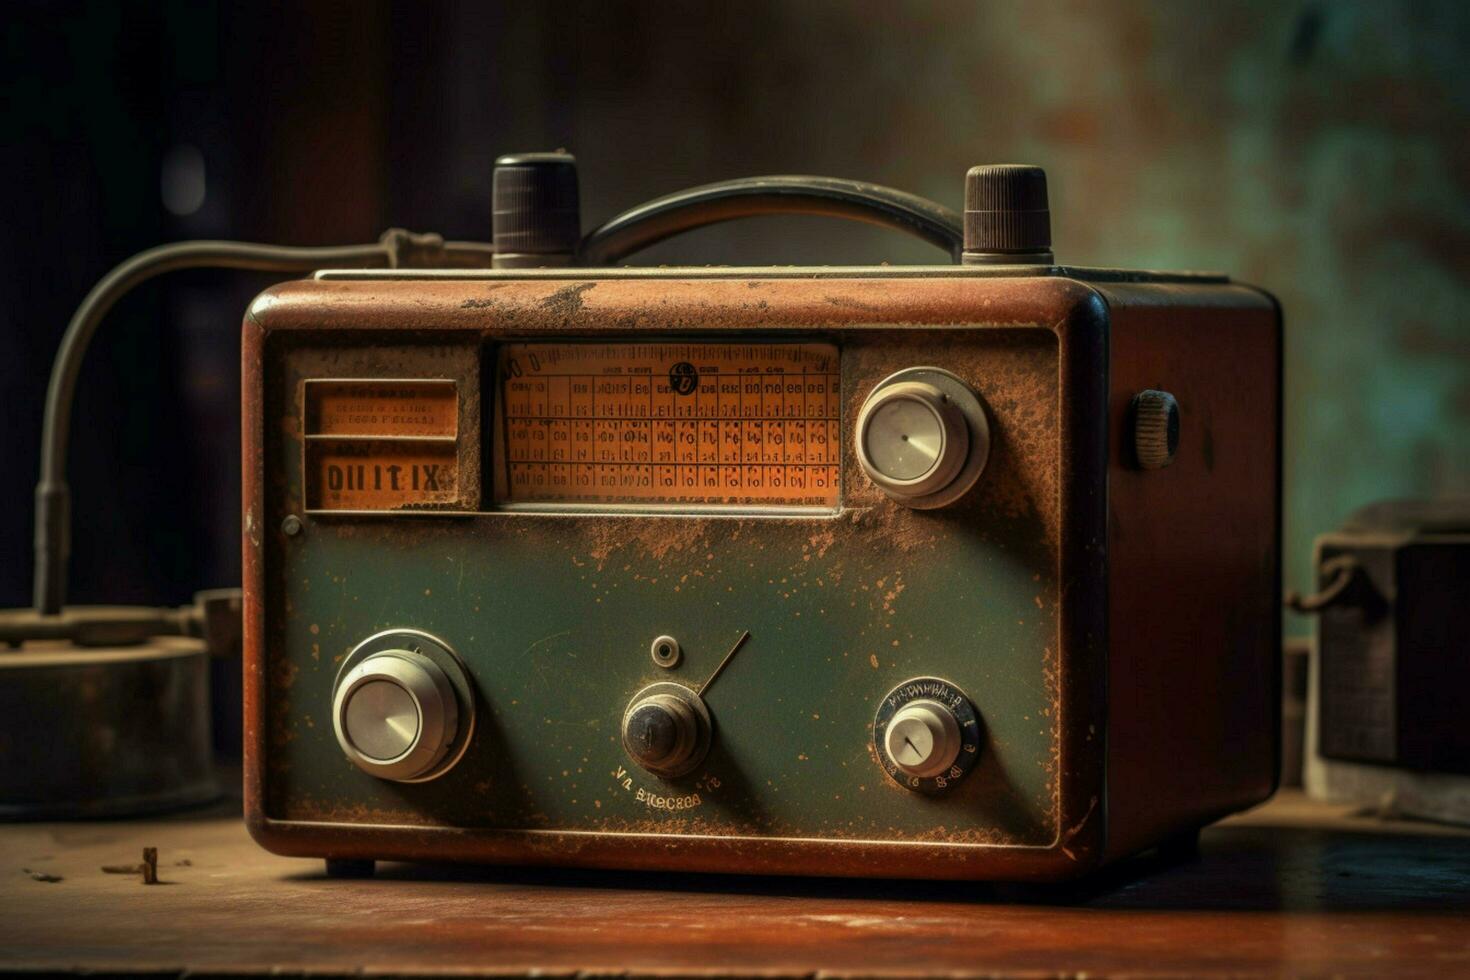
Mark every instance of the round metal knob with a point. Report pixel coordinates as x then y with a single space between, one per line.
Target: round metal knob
923 738
927 735
911 440
1155 429
395 714
922 437
666 729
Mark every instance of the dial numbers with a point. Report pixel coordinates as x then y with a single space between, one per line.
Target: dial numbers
669 423
927 735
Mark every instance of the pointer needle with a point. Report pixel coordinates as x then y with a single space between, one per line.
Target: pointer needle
733 650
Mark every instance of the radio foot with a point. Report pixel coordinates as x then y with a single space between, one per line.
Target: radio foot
1181 847
350 868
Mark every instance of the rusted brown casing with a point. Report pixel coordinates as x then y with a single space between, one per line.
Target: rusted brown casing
1131 615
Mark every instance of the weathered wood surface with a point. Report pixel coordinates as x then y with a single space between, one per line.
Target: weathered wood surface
1290 888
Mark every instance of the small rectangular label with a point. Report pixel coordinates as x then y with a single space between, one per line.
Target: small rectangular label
377 475
382 408
381 444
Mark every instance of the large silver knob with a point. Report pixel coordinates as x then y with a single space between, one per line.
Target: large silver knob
922 437
396 711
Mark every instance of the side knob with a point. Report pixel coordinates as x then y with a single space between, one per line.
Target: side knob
401 707
667 729
1007 218
922 437
1155 429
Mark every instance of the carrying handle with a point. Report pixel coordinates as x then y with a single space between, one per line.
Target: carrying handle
652 222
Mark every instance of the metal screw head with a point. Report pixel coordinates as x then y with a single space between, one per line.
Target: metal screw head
665 652
291 526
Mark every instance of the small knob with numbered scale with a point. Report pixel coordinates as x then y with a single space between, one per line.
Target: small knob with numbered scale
927 734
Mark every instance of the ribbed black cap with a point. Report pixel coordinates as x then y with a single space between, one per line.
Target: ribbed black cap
1006 209
534 203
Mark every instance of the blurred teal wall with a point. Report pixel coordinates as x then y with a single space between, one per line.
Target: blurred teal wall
1318 149
1321 150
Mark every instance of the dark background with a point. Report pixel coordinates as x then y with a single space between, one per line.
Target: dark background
1317 149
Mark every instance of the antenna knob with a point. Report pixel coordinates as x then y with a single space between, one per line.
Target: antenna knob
536 218
1007 219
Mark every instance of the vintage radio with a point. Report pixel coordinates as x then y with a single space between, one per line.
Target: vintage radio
952 571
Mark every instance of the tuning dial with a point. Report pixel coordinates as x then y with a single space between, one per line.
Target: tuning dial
927 734
667 729
922 437
400 707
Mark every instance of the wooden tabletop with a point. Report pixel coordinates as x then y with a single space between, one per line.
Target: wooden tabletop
1291 888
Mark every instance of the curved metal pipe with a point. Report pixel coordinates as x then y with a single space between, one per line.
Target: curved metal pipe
53 510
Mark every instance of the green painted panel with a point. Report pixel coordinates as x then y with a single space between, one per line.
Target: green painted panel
553 614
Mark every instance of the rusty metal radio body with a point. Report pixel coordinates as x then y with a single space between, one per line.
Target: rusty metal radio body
962 571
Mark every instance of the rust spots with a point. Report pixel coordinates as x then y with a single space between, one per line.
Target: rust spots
655 538
890 596
1051 678
850 303
821 540
567 301
1071 832
873 660
284 673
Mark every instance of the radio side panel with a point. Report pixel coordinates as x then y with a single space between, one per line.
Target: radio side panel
1193 562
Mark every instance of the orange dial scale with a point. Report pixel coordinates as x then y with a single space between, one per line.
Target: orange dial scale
734 424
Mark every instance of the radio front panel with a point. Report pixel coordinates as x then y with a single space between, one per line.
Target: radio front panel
545 510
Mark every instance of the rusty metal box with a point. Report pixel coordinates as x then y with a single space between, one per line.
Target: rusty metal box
414 482
1392 662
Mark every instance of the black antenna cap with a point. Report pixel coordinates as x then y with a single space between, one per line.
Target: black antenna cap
536 216
1007 219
